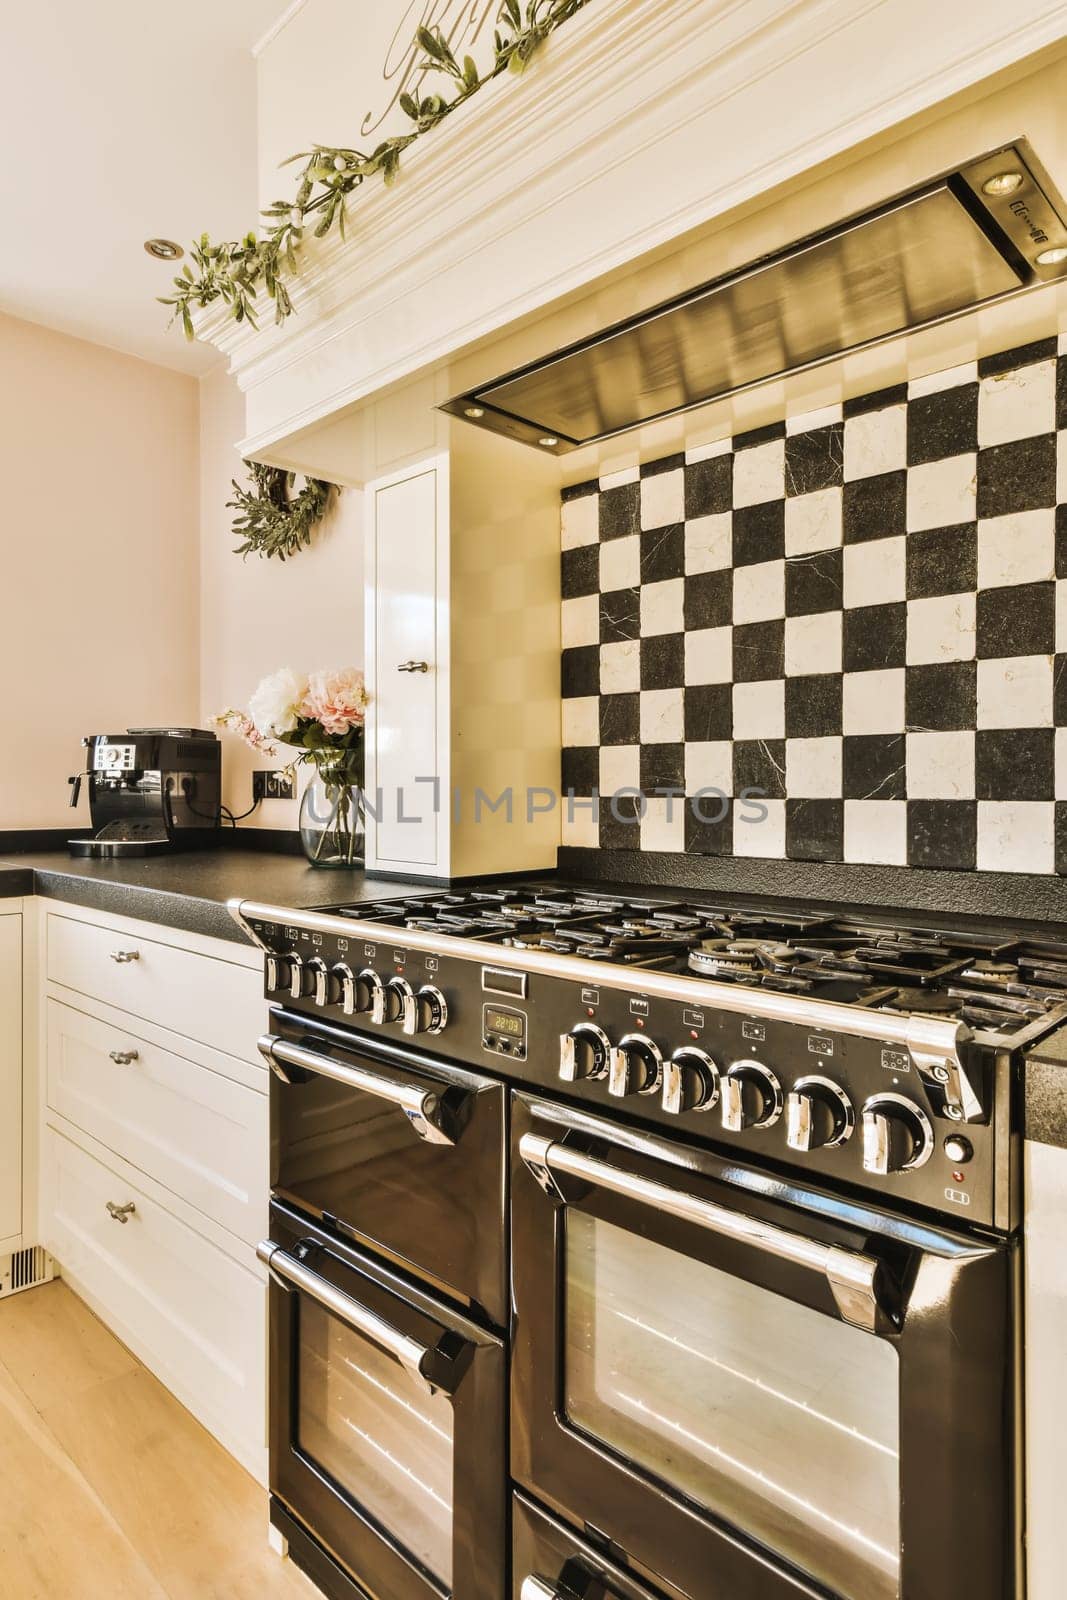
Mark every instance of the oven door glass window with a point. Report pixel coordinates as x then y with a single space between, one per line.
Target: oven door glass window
776 1419
382 1436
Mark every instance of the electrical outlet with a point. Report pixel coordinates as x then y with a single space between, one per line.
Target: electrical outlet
271 785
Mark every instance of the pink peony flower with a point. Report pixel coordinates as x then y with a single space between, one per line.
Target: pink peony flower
337 699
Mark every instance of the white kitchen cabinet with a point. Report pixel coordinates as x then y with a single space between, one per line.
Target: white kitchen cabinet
10 1078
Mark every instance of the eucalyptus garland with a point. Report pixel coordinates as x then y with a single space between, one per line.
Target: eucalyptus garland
272 521
236 271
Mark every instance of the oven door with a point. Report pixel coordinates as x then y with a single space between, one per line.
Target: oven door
403 1154
550 1562
387 1434
754 1391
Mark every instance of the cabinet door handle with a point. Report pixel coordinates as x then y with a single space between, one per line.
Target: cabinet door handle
414 666
120 1213
122 956
122 1058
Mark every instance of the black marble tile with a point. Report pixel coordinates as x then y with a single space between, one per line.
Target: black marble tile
1061 391
580 571
942 561
813 583
1019 620
1019 476
759 764
873 766
1061 836
620 511
877 400
580 769
813 706
663 553
662 660
620 823
875 508
1061 541
709 486
759 533
578 491
764 435
620 719
1021 355
707 600
620 615
663 767
943 424
709 713
941 697
943 833
875 637
709 827
814 830
1014 764
580 671
654 469
815 460
759 651
1059 690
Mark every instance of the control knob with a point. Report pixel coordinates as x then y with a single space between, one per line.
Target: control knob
384 1001
690 1081
352 992
297 978
818 1115
277 972
583 1053
636 1066
323 989
751 1097
897 1135
424 1012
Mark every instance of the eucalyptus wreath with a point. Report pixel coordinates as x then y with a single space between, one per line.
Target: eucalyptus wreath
271 520
236 270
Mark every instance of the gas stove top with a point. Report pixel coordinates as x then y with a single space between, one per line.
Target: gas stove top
990 982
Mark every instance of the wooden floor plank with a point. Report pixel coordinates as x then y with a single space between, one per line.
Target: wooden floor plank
55 1348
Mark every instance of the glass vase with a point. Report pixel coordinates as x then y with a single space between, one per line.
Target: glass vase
332 821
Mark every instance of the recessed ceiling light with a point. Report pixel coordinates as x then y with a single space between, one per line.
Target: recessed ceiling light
474 412
163 249
548 441
1053 257
1003 183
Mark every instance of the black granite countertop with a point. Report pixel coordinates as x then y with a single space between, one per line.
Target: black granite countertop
190 890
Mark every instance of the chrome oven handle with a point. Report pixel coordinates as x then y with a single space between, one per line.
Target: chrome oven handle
852 1277
288 1272
534 1588
422 1107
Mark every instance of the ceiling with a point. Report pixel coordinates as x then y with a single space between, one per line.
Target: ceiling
120 121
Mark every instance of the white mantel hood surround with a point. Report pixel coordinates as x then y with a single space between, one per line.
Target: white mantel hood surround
638 122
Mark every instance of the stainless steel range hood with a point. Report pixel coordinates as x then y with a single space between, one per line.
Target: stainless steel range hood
990 229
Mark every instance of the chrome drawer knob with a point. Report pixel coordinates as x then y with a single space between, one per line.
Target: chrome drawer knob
121 1213
413 666
122 956
122 1058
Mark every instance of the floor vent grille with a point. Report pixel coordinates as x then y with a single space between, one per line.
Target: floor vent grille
25 1269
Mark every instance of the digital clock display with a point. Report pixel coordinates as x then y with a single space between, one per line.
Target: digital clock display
503 1022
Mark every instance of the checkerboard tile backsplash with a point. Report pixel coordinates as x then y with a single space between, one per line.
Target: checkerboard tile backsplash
861 613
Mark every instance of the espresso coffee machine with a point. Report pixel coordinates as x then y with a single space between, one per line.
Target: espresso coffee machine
151 790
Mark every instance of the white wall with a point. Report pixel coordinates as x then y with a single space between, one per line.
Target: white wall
98 556
256 614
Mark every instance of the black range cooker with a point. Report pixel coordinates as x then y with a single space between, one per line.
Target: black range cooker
626 1247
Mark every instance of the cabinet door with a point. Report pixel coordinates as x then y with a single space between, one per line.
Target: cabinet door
10 1075
406 595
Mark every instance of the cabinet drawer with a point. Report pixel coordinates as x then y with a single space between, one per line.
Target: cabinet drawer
195 1131
189 1311
208 998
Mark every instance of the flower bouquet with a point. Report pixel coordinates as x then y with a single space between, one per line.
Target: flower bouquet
322 716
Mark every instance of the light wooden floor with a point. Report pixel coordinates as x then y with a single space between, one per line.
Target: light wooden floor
109 1489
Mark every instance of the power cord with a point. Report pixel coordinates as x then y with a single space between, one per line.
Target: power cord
234 820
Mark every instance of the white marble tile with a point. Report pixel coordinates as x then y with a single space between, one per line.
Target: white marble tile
873 702
813 522
876 442
581 621
759 592
942 493
663 824
709 765
813 644
620 667
1061 614
1017 404
759 473
709 655
1016 836
808 421
876 831
940 766
620 767
580 828
941 628
707 452
813 768
950 378
581 721
663 499
1060 790
662 607
1020 548
615 480
662 720
709 543
759 710
580 521
1015 692
874 572
620 563
760 836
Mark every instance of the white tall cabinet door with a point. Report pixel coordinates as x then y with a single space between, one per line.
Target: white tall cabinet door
407 604
10 1075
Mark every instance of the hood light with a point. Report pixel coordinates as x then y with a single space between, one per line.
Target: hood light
1053 257
163 249
474 412
548 441
1003 183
